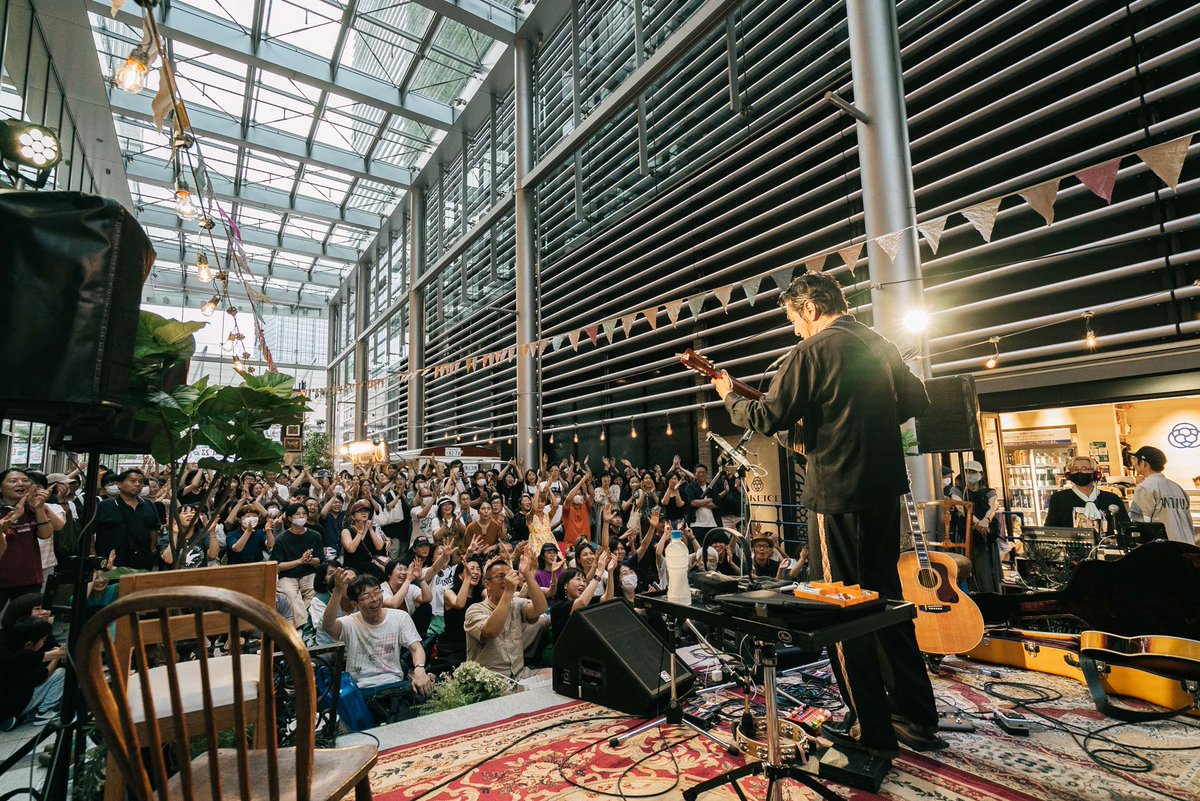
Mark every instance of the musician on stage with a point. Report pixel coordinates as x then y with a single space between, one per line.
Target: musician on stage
1083 504
852 391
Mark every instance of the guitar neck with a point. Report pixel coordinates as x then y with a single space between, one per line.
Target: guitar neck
745 390
914 521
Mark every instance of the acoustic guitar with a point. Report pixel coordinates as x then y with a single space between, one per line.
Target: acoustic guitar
1176 657
948 621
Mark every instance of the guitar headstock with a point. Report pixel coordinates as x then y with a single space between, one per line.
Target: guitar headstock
694 361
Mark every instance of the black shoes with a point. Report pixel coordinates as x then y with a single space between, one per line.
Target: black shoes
916 736
839 735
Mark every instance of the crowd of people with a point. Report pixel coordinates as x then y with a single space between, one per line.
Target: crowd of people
415 567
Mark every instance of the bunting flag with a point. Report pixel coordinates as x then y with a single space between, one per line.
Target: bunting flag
850 255
932 231
627 322
696 303
261 336
673 307
610 328
890 243
541 346
523 348
651 315
1166 160
556 342
163 100
983 217
782 278
723 294
814 264
750 287
116 6
470 364
1101 179
1041 198
592 331
573 335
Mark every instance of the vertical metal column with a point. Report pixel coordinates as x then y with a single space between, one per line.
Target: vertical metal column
527 443
416 318
362 283
886 171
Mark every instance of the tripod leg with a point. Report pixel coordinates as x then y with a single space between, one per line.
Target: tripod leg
629 735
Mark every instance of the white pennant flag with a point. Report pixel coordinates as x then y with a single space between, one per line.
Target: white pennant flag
556 342
627 322
1166 160
696 303
610 328
890 243
673 308
1041 198
932 231
723 294
983 217
750 287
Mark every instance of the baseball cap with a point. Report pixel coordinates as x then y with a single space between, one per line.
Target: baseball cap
973 465
1151 454
549 546
422 539
359 506
946 471
57 478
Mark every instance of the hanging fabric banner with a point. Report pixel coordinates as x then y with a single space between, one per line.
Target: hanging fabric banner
523 349
813 264
556 342
983 217
610 328
1041 198
1166 160
782 278
750 287
163 100
573 335
673 307
1101 179
541 346
850 256
627 322
890 243
932 231
470 364
651 316
592 331
723 294
696 303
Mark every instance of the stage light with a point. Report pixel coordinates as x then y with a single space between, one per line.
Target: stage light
994 359
202 269
210 306
916 321
36 147
131 77
184 208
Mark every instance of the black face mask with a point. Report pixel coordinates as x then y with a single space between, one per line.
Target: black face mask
1081 479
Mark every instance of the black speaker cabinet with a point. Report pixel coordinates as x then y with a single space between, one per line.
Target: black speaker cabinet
71 273
951 423
608 655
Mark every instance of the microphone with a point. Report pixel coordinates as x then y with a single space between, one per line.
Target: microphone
777 362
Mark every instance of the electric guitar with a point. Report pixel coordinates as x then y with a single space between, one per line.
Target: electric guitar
948 621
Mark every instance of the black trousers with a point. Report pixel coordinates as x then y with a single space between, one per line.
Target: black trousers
886 670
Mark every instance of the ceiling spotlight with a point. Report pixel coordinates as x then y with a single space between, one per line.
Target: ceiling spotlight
36 147
184 207
916 321
132 75
202 269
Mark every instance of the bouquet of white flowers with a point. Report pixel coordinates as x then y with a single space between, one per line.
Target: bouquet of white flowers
470 683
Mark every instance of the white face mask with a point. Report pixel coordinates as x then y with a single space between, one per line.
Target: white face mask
947 482
629 583
272 512
250 521
144 492
480 482
299 521
973 479
577 500
112 489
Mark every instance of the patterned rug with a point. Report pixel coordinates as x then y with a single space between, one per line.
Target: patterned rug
544 752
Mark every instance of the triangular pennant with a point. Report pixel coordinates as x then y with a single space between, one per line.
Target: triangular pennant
890 243
163 100
610 328
651 315
470 364
1041 198
673 308
557 342
723 294
782 278
592 331
511 353
849 255
696 303
541 346
1166 160
983 217
932 231
750 287
627 322
814 264
524 349
1101 179
573 335
116 6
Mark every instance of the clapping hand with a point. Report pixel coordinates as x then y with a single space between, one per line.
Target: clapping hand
342 578
512 580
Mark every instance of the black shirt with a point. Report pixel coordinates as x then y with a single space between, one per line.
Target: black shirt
290 546
560 613
131 531
837 384
1062 506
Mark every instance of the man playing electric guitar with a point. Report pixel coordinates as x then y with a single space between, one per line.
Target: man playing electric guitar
852 391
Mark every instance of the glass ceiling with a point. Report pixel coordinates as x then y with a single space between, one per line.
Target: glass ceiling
311 117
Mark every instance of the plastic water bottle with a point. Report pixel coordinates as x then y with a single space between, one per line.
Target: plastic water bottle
678 591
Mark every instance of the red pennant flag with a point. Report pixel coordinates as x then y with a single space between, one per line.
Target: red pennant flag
593 332
1101 179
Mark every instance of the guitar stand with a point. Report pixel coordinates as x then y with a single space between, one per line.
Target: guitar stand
773 769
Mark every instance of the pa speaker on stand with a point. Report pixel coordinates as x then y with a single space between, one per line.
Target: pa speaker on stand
951 423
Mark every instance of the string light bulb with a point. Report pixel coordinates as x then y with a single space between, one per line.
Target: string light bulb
237 363
202 269
210 306
632 429
704 419
131 77
602 435
227 345
916 321
185 209
1090 338
575 436
994 359
551 437
670 432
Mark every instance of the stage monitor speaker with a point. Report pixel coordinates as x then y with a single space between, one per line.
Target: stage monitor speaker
608 655
71 273
951 423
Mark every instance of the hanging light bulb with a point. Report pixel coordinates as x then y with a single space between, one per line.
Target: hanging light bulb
632 429
491 440
227 345
704 419
916 321
575 436
602 436
669 431
209 307
994 359
237 363
131 77
551 437
184 208
202 270
1090 338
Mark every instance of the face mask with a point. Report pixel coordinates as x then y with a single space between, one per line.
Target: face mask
578 500
250 521
972 479
629 583
947 482
480 482
1081 479
272 512
112 489
299 521
144 492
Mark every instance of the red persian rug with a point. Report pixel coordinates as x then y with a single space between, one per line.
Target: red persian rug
563 753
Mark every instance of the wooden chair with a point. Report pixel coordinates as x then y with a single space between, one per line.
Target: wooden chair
192 613
256 580
947 505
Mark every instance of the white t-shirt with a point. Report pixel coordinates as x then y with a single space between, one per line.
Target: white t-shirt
444 580
1160 500
373 652
704 515
316 611
283 491
49 560
614 495
410 603
423 524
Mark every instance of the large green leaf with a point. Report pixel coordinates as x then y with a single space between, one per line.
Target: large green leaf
158 336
